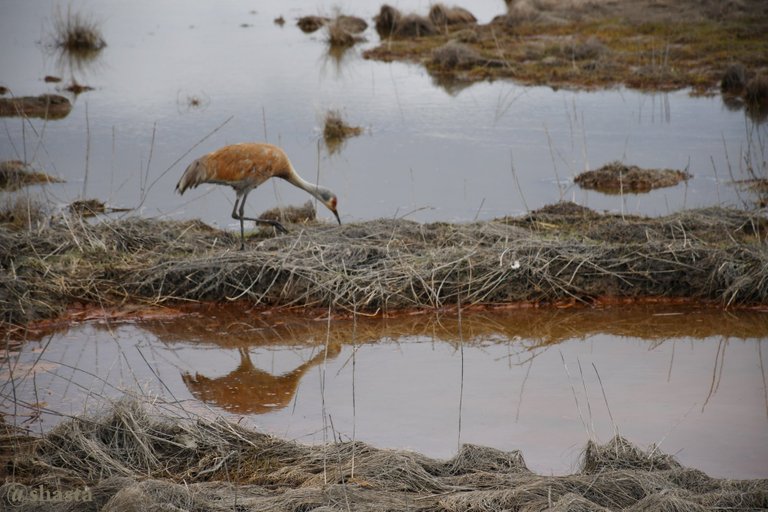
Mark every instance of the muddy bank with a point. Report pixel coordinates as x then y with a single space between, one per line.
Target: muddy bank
131 457
559 254
646 44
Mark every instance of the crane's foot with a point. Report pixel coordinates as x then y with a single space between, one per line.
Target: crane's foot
278 227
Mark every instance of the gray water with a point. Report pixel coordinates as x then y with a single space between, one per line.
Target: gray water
428 154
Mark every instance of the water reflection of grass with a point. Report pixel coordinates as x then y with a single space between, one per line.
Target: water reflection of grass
336 131
76 41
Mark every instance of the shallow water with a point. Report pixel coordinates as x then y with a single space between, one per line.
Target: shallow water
542 381
488 150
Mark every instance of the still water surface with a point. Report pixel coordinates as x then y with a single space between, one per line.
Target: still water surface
429 152
542 381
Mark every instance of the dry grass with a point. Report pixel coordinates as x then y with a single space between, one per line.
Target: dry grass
309 24
757 91
734 79
291 214
134 456
455 55
442 16
22 213
15 174
594 44
343 31
551 256
391 23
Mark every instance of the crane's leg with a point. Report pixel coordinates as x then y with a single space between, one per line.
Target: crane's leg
239 199
240 215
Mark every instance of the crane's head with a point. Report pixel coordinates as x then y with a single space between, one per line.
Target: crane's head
329 199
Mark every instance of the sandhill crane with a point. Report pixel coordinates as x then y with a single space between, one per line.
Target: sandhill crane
244 167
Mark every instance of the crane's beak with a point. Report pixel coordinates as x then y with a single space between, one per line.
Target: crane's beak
337 216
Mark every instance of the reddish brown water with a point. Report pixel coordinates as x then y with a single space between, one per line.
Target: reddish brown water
543 381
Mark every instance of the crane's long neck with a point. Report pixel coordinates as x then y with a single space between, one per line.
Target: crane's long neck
316 190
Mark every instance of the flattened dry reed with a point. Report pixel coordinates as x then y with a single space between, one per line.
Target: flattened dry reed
378 266
134 455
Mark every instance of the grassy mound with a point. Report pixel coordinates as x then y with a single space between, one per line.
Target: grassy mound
561 253
641 44
618 178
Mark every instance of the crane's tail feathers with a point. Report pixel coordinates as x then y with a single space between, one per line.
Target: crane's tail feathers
192 177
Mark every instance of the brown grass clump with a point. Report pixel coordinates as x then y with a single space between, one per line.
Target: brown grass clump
343 33
734 79
76 32
442 16
756 94
311 24
455 55
351 24
87 207
77 88
336 131
22 213
617 178
292 214
390 22
15 174
592 48
138 456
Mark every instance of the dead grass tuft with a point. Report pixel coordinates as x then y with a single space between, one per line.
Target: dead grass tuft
340 36
311 24
76 32
292 214
734 79
336 131
442 16
757 92
15 174
22 213
455 55
391 23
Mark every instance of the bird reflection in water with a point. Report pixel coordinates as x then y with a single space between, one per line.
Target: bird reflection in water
251 390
